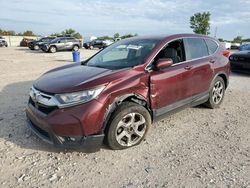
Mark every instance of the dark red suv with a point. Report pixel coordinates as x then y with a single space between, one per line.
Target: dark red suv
116 94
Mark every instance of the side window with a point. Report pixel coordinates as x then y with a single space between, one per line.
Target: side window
211 45
61 40
195 48
69 40
173 50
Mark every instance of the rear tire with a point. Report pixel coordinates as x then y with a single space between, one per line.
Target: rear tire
128 126
75 48
216 94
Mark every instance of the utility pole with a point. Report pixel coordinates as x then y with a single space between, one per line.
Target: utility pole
215 32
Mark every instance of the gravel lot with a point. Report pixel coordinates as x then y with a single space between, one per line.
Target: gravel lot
196 147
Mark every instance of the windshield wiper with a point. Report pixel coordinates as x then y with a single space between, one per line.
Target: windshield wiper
98 66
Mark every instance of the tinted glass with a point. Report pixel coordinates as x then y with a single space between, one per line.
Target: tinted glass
62 40
212 46
123 54
55 40
195 48
45 39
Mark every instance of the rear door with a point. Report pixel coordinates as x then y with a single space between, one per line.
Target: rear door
201 65
61 44
69 43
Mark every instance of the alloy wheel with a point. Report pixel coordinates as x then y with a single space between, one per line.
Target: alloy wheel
218 92
53 49
131 129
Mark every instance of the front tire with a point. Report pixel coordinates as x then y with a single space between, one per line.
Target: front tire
128 126
216 94
36 47
52 49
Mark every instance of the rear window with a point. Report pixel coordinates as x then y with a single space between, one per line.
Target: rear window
195 48
211 45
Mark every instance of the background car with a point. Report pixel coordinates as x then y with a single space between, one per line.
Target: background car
244 47
240 61
24 42
96 44
61 44
235 46
3 42
34 45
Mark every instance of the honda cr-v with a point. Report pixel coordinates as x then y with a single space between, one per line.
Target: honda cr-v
116 94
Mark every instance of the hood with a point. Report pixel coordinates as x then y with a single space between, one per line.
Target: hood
245 53
70 79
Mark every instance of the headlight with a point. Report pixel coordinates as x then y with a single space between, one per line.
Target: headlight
69 99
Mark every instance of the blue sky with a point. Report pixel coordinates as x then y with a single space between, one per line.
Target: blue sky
145 17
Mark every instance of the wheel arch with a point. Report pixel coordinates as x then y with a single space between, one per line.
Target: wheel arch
224 77
131 97
53 46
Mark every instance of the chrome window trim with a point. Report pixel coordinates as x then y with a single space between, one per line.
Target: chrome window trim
147 68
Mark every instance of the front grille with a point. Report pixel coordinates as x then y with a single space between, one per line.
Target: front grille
42 108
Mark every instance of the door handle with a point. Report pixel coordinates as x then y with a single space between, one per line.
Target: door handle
188 67
211 61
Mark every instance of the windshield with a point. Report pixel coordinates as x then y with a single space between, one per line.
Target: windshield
123 54
45 39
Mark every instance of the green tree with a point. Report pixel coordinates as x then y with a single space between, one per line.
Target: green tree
128 36
221 39
9 32
246 40
55 34
237 39
116 35
199 22
28 33
105 38
68 32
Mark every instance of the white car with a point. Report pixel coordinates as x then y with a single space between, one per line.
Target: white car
3 42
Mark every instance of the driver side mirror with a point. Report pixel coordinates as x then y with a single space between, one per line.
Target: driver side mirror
59 41
163 63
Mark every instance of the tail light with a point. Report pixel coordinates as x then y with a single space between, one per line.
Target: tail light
226 53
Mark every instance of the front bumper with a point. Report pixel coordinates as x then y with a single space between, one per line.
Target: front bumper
62 128
3 44
84 142
44 48
240 67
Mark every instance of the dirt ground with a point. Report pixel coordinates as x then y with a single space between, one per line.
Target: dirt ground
197 147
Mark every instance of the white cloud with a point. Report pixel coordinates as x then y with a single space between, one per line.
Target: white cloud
107 17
